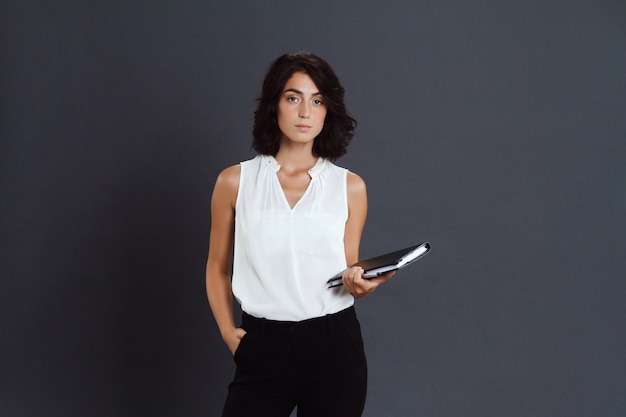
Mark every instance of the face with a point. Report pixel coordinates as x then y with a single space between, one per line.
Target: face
301 110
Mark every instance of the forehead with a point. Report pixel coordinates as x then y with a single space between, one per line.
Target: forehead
301 82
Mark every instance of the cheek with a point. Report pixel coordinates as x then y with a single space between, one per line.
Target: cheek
280 116
323 118
322 115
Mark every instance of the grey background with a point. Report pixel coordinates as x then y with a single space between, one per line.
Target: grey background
493 129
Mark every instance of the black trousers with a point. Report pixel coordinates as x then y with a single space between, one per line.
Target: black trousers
317 365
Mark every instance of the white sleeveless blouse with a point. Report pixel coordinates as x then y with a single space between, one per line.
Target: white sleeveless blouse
283 256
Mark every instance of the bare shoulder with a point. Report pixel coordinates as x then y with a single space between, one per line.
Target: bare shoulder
356 185
230 175
357 195
227 184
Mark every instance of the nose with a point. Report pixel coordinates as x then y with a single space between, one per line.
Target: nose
304 112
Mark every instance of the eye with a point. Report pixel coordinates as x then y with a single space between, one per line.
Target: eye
318 102
292 99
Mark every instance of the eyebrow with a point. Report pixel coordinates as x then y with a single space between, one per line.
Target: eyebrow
293 90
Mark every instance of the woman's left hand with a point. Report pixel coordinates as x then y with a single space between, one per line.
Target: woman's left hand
358 286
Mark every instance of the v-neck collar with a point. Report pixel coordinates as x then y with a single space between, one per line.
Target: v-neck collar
313 172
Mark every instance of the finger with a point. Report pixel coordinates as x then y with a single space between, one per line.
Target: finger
382 278
352 274
240 332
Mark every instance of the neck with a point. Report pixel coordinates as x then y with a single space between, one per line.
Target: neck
296 158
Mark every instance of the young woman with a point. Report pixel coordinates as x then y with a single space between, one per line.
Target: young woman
287 220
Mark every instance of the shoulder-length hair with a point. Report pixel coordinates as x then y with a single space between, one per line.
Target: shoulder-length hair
338 130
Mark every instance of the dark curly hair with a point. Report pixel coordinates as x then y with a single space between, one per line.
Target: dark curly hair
332 142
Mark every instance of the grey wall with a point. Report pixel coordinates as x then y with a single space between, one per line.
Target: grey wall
494 130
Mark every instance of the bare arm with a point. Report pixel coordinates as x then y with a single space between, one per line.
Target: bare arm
357 212
218 280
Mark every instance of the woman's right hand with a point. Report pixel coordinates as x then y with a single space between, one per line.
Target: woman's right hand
233 338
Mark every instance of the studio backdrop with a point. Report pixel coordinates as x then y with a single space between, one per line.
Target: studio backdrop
494 130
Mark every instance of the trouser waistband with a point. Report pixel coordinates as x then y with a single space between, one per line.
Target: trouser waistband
249 322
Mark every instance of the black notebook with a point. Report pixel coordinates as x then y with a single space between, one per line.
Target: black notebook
388 262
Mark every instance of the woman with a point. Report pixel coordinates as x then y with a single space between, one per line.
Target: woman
286 221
